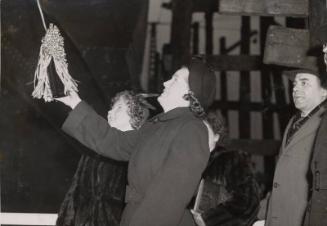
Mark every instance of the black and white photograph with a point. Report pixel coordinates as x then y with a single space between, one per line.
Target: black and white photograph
163 112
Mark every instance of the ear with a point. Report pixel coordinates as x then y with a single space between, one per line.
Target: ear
324 93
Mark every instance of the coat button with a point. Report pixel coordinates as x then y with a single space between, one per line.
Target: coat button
276 185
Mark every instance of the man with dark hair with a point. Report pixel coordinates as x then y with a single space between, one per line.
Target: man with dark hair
291 185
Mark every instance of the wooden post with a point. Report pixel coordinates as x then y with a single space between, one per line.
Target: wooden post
181 31
280 99
317 17
195 40
244 115
223 79
267 116
209 32
265 22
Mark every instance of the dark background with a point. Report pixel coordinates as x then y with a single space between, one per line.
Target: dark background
104 42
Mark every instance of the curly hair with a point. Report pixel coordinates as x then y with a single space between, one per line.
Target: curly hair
195 105
218 125
136 109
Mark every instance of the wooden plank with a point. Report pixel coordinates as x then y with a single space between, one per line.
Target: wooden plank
266 147
287 47
235 62
291 8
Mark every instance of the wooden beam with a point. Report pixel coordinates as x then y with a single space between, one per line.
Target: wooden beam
181 32
266 147
290 8
209 33
235 62
195 39
223 78
200 6
252 106
245 86
266 83
266 91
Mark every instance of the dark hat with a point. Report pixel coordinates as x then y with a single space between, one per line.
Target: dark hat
315 67
202 81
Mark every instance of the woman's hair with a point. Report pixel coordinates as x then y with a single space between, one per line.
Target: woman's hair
195 105
136 109
218 125
202 84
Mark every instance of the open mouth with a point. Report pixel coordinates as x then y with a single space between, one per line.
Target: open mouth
298 98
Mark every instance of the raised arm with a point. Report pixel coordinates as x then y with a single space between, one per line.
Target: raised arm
85 125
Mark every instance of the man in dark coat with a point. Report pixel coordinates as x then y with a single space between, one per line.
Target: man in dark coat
167 155
316 214
291 185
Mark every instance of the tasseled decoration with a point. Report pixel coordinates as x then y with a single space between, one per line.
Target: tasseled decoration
52 48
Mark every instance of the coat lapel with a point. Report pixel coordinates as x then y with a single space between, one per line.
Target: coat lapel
286 132
309 127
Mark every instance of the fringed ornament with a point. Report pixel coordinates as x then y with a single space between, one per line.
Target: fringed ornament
52 60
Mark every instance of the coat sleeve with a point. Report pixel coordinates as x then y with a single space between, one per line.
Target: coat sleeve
93 131
169 193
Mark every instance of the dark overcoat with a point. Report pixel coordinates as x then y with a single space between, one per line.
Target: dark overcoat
166 159
290 192
316 214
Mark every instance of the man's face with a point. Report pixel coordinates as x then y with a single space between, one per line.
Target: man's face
307 92
118 116
175 88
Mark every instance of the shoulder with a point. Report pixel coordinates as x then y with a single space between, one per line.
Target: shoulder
193 124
